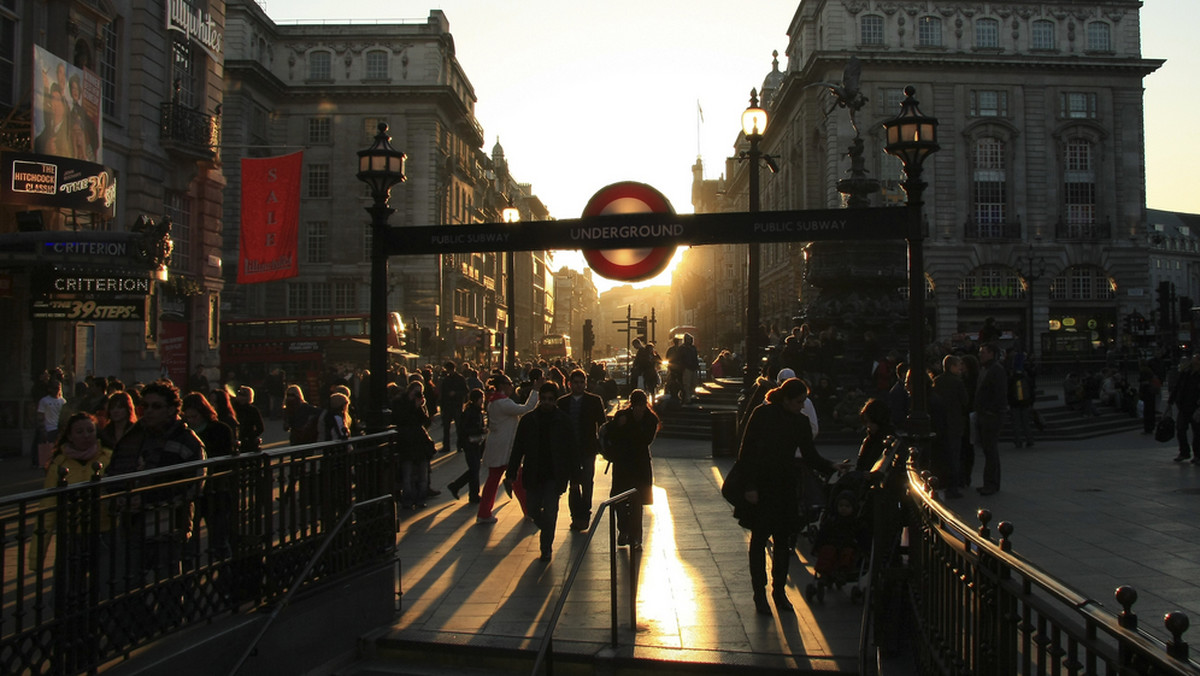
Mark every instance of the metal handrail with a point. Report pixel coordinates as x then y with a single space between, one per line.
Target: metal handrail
312 562
548 637
954 573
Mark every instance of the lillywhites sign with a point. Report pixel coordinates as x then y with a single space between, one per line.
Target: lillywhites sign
198 26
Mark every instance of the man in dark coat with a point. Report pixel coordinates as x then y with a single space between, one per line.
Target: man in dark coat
991 401
950 387
543 452
586 412
453 392
1186 397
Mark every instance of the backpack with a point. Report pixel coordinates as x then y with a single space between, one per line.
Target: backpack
610 447
1021 388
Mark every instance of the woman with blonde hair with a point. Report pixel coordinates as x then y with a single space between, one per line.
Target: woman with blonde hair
78 456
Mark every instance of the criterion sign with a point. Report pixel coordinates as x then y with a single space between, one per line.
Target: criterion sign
628 265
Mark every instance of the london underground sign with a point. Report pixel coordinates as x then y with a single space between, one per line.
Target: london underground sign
628 265
653 230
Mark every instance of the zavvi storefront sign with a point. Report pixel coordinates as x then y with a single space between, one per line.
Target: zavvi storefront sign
57 183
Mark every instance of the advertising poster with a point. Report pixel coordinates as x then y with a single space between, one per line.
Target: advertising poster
270 231
57 182
66 109
173 350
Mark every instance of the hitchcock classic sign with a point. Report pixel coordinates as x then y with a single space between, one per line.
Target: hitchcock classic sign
648 230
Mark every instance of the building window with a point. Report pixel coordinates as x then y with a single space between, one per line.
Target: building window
377 65
319 131
297 299
1077 105
987 34
318 180
1082 282
183 74
990 189
371 128
316 242
1099 37
870 30
1041 35
8 52
1080 185
989 103
320 66
318 298
345 297
178 206
258 126
929 31
108 68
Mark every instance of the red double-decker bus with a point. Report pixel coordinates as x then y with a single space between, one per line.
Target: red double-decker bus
304 348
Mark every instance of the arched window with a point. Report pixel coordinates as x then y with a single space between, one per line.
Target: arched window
1041 35
870 30
1083 282
987 34
988 283
1099 37
320 65
989 190
929 31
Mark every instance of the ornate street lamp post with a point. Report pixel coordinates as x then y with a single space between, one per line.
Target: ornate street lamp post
754 123
1035 269
381 166
912 137
510 214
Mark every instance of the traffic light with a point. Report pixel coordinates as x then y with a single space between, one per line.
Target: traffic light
639 326
589 336
1163 297
481 340
1128 324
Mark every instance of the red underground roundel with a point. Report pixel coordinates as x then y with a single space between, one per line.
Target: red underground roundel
628 265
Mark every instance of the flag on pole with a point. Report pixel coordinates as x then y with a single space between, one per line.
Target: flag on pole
270 227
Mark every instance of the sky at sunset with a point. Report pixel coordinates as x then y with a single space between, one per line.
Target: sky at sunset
582 95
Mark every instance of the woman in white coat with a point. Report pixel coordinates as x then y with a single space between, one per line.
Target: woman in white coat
503 413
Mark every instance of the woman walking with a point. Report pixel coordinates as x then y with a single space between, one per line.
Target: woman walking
503 413
767 456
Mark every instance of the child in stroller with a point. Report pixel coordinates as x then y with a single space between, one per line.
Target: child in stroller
842 537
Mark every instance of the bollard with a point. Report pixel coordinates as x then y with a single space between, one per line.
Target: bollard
724 433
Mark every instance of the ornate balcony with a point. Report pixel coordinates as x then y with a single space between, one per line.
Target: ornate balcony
1086 232
189 132
974 231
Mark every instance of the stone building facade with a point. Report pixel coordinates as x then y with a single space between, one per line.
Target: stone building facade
1036 200
323 89
151 99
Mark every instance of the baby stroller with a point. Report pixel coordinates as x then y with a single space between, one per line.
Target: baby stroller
841 540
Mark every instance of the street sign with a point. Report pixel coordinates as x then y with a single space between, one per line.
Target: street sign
628 265
647 230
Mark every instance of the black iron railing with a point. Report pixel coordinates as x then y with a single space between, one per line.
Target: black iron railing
92 571
190 130
974 231
1094 231
978 608
545 654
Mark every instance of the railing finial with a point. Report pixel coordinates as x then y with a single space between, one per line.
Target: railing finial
985 517
1127 596
1177 623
